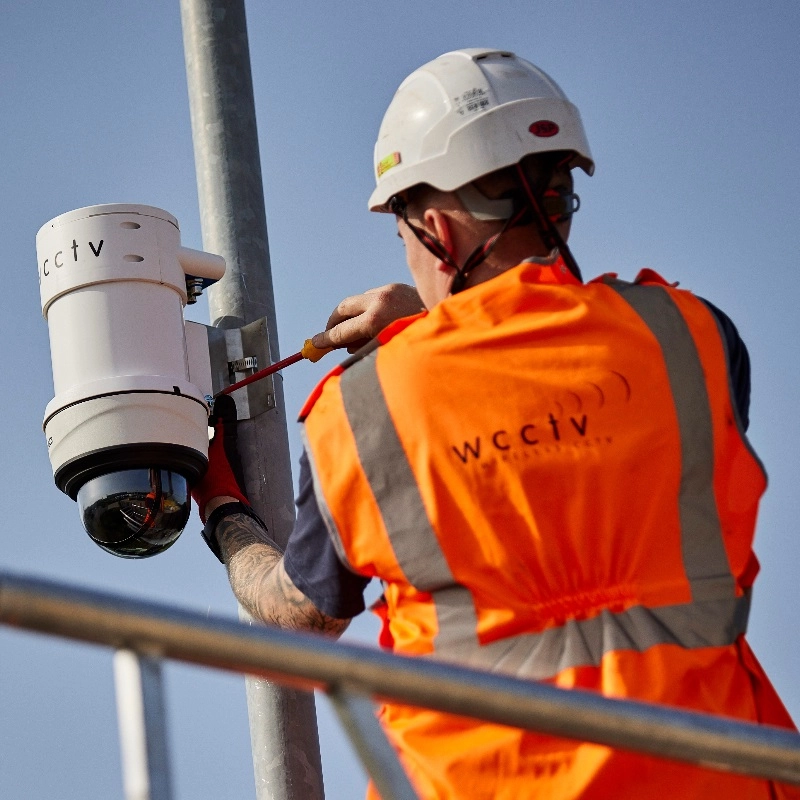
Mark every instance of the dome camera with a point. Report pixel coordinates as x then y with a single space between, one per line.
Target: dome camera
135 513
127 430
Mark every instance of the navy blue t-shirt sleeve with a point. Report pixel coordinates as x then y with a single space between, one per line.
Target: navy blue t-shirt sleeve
738 363
311 562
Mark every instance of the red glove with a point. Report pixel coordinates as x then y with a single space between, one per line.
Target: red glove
219 479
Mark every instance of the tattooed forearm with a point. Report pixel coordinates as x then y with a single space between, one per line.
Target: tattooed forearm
260 583
280 602
237 531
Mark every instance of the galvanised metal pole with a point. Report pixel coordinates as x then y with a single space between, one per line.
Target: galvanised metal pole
283 725
141 711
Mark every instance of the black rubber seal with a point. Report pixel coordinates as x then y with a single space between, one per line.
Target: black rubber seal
175 392
72 475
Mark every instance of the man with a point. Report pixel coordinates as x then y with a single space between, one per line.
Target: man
551 478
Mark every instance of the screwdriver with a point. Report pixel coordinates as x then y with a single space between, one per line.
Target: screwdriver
308 352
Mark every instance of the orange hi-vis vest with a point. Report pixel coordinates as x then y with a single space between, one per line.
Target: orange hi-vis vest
552 482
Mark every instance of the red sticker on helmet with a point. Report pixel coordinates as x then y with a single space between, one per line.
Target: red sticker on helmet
544 128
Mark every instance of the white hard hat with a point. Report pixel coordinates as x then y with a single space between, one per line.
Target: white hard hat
469 113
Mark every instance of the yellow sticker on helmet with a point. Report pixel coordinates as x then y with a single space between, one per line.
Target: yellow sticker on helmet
385 164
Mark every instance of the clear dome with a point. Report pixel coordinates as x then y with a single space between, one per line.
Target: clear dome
135 513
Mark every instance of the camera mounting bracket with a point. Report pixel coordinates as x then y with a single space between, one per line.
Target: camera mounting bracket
236 353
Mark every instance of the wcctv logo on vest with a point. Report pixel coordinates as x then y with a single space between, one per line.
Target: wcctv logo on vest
571 422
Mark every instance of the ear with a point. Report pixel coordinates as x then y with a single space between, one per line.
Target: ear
442 228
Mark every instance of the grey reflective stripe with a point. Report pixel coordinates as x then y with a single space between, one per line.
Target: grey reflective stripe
389 474
704 557
414 542
583 643
457 638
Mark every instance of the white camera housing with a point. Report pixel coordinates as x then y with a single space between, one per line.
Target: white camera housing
131 387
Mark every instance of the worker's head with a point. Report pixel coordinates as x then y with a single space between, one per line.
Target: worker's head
464 143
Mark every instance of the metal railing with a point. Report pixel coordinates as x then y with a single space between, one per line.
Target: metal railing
354 676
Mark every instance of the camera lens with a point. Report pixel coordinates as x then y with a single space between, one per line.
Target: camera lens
135 513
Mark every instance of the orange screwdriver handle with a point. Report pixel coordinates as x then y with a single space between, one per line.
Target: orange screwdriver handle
312 353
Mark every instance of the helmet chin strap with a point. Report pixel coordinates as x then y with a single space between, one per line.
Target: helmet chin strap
481 253
484 208
398 206
547 228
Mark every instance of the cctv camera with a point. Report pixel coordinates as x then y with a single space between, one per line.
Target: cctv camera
127 430
135 513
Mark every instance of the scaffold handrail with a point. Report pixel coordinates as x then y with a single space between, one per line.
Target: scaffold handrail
310 661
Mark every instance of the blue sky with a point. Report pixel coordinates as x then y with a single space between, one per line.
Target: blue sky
692 114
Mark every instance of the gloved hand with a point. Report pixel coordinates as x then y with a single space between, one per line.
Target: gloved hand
219 479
